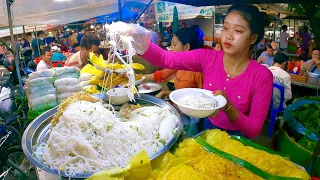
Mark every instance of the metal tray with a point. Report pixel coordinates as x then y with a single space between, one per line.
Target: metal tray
39 130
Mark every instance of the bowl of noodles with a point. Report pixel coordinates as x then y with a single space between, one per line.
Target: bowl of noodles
84 136
198 103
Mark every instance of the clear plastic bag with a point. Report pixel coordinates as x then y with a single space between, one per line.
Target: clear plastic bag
64 70
47 105
42 100
40 81
42 73
38 88
43 92
68 75
64 96
66 81
68 88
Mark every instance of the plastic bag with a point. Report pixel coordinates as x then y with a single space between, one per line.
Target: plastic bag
64 96
42 92
44 106
37 88
66 81
40 81
294 124
42 100
42 73
64 70
85 77
84 83
68 88
68 75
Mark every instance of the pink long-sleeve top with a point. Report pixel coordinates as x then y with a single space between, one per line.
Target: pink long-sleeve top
250 92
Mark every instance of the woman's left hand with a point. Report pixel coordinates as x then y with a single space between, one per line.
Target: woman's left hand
222 93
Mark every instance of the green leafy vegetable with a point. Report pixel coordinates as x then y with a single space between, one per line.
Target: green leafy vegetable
309 116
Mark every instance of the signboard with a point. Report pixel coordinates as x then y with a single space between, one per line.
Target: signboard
164 11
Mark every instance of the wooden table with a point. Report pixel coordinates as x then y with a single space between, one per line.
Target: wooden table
311 83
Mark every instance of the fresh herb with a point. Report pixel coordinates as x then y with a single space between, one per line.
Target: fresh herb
141 162
157 135
90 113
309 116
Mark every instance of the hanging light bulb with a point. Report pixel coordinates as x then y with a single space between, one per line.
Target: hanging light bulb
92 26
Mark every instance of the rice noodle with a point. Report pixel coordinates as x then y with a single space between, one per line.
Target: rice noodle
89 138
200 101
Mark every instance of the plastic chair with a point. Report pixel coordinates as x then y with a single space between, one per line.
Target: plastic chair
275 110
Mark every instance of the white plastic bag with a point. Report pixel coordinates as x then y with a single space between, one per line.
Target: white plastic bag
43 92
40 81
42 73
66 81
42 100
37 88
65 70
64 96
68 88
68 75
46 105
84 83
85 77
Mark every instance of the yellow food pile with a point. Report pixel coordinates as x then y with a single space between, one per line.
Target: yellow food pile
98 79
113 79
99 61
191 162
273 164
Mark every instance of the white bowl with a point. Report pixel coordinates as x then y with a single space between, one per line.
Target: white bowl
313 75
138 82
196 112
118 96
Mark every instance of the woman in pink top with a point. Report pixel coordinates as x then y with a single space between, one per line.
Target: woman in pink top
242 81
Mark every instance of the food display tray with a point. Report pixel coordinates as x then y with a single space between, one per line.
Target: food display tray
39 130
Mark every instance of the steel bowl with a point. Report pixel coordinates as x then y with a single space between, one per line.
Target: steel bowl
39 130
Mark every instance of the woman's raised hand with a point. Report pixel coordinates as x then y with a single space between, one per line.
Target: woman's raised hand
140 36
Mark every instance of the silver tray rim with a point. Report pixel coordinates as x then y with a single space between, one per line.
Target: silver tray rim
28 139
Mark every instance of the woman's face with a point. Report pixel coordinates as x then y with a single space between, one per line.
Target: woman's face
236 35
177 46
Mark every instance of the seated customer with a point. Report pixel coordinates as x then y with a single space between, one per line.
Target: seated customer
57 55
45 63
282 78
267 56
314 63
89 43
216 46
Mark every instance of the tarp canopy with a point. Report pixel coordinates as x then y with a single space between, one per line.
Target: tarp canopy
40 12
227 2
126 16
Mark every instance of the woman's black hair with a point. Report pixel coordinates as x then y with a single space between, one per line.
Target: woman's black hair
256 20
190 36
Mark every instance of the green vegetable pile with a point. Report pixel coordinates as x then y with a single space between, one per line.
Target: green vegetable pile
309 116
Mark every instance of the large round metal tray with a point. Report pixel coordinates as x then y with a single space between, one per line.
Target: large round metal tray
39 130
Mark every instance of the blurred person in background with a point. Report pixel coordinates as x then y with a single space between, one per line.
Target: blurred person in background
314 62
284 36
216 46
45 62
89 43
37 45
267 56
281 77
57 55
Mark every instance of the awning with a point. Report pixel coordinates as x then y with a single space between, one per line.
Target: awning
40 12
228 2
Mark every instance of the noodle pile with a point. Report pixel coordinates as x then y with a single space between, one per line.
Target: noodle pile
200 101
89 138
